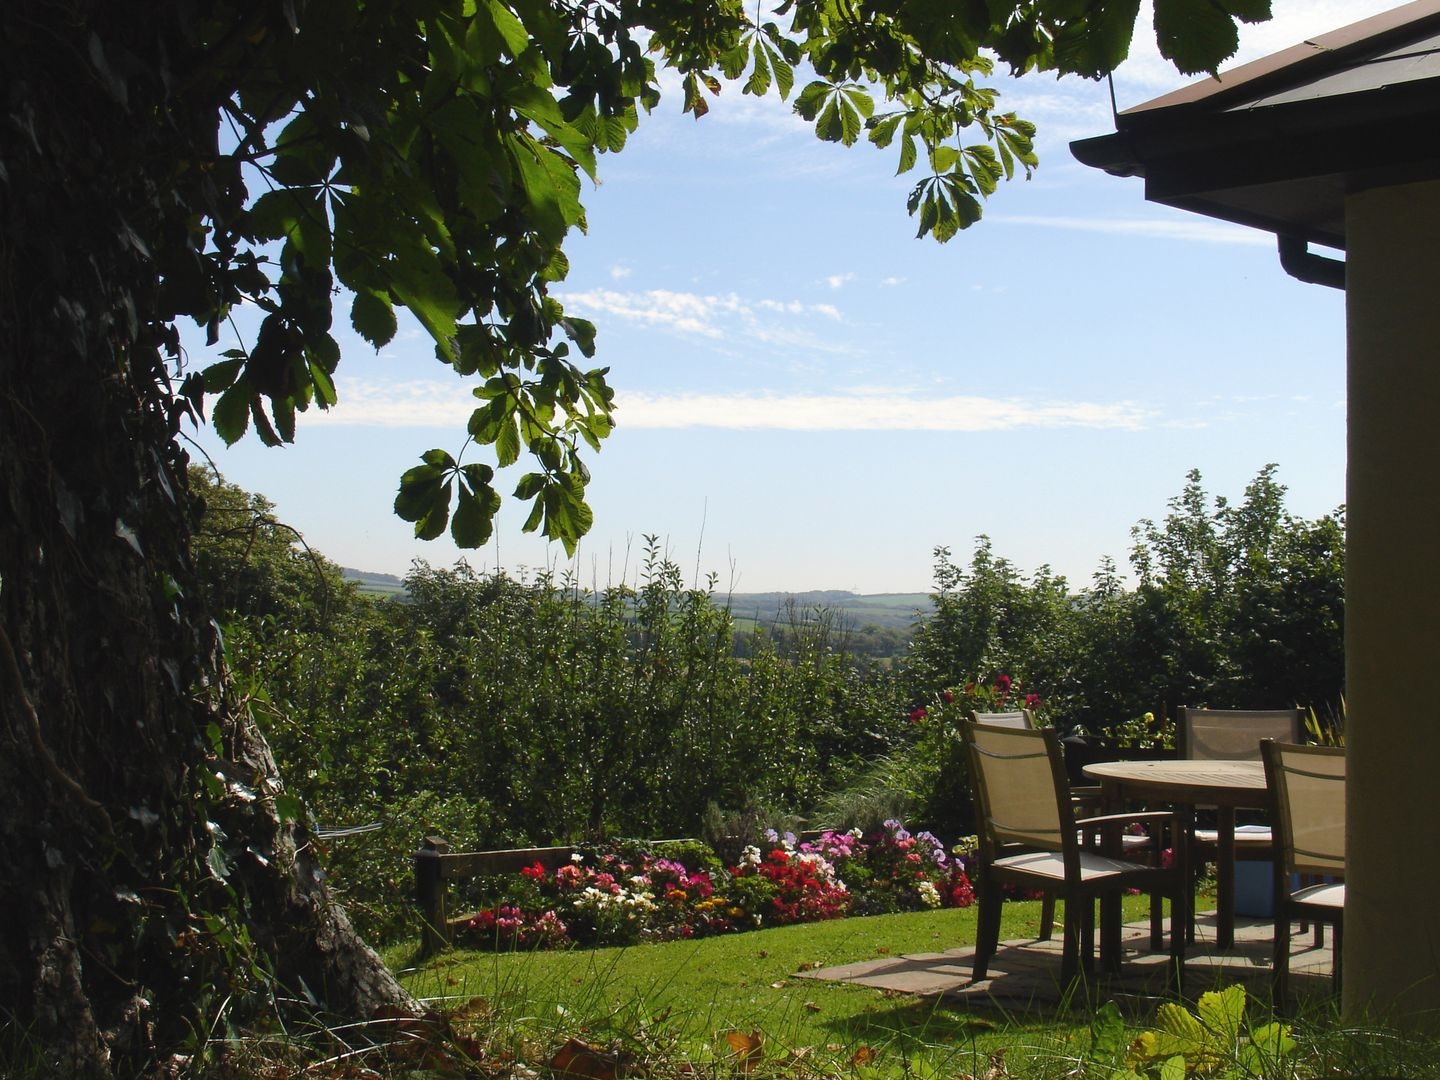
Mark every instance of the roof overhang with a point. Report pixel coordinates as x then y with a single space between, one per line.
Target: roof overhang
1277 144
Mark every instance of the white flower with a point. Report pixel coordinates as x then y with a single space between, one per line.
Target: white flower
929 894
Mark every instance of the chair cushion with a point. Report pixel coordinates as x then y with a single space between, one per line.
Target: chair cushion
1049 864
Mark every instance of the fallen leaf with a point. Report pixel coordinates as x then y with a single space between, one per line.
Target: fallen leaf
863 1056
578 1060
780 985
810 1006
745 1048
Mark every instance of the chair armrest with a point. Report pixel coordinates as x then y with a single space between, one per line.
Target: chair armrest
1105 828
1160 816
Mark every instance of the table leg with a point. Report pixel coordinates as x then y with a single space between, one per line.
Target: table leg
1184 913
1110 914
1225 878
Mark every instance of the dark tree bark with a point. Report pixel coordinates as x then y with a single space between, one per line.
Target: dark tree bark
149 877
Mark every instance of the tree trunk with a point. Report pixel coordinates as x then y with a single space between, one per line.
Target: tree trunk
151 883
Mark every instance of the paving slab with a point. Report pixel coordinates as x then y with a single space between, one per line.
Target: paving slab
1025 974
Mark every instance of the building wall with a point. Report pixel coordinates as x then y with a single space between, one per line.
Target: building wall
1392 617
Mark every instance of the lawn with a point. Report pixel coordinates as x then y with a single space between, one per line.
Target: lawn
709 997
730 1006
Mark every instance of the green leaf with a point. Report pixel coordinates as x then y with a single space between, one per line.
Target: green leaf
274 214
530 485
550 186
419 487
831 126
289 807
1250 11
507 441
539 106
1096 45
510 29
732 61
373 317
304 155
284 412
759 81
324 386
943 158
784 71
231 414
424 498
812 99
535 517
474 519
263 428
909 154
421 284
1107 1031
221 376
1197 35
882 131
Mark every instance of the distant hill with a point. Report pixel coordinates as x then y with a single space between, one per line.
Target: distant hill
889 610
374 584
895 610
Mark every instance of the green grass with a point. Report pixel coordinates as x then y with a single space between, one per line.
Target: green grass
692 993
664 1011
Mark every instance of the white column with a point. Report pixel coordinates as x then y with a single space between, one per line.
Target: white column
1392 605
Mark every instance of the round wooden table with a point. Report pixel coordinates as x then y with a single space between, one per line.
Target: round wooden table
1226 785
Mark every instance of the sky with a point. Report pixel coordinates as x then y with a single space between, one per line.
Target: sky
809 397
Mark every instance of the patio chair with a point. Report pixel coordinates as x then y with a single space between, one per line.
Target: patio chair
1019 718
1085 800
1307 786
1031 839
1232 735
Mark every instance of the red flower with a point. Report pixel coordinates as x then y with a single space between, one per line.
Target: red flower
535 872
917 714
947 696
1032 701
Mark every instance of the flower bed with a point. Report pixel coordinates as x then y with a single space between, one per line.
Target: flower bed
627 893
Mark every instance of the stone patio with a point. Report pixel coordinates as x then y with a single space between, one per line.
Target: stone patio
1024 975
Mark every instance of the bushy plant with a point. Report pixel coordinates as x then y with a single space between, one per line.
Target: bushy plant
631 893
889 869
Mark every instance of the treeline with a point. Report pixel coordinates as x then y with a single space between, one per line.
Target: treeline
499 713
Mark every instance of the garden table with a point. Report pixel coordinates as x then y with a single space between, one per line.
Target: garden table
1185 785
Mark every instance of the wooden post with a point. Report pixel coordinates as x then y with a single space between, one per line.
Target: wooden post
430 895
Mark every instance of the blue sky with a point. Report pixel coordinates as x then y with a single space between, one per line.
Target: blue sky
809 397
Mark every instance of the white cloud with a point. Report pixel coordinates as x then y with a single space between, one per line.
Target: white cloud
620 273
715 317
429 403
870 412
1199 230
838 281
